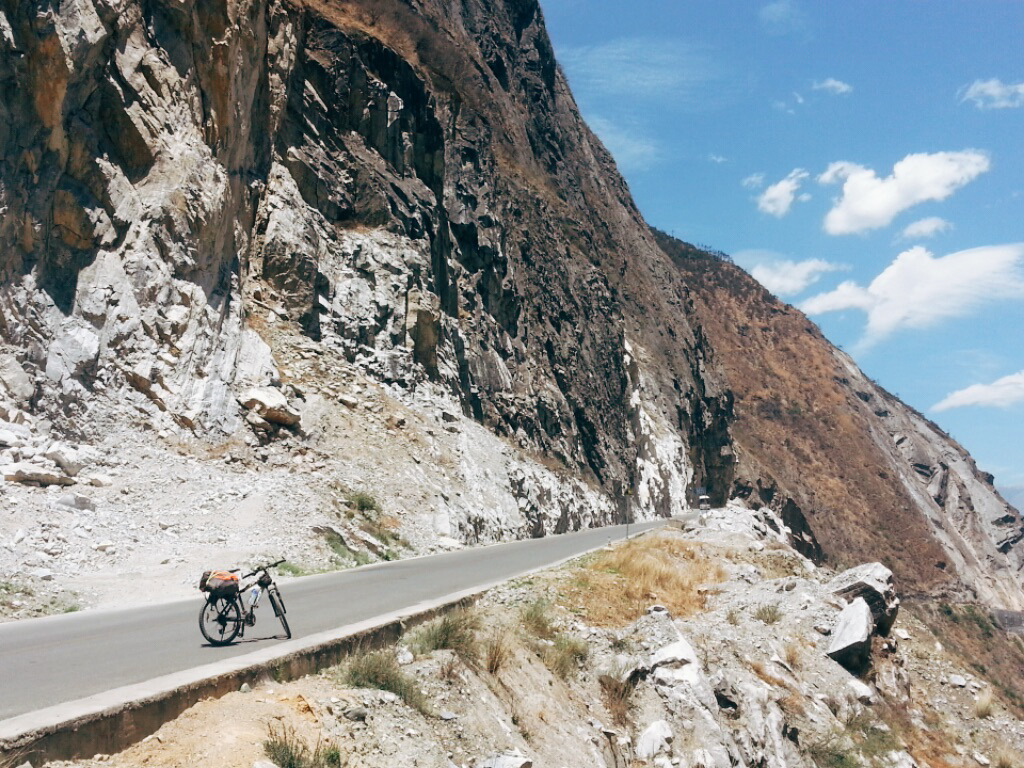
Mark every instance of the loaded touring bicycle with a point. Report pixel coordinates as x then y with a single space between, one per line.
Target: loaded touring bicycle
231 602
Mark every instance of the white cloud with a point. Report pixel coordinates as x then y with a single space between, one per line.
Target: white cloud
717 159
631 149
788 278
832 85
870 202
1001 393
929 227
994 94
778 198
919 290
781 17
753 181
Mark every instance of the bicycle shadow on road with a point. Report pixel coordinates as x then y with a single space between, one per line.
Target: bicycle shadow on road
244 642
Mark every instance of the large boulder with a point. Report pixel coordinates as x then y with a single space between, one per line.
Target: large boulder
851 638
35 474
14 380
874 584
271 405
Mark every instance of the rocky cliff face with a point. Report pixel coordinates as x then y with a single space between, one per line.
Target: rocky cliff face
413 187
410 185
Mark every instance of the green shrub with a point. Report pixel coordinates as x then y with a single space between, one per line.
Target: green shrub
362 501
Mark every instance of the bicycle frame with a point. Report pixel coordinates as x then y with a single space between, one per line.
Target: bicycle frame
224 619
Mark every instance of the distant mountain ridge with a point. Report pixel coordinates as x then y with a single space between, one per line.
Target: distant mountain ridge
410 183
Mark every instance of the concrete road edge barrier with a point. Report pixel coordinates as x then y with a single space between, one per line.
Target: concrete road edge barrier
112 721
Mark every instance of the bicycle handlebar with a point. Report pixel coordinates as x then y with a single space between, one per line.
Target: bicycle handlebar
259 568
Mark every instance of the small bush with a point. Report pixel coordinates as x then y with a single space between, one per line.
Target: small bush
362 501
537 619
733 617
450 668
768 613
291 569
831 753
380 670
984 704
617 694
563 657
286 749
497 650
455 631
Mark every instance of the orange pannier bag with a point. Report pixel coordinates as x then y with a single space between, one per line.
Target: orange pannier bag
219 584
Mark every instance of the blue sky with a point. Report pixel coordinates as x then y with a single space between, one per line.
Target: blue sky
865 161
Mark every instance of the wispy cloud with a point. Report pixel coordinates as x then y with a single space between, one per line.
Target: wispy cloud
993 94
779 197
919 290
869 202
782 17
789 278
922 228
1001 393
670 72
632 150
717 159
753 181
832 85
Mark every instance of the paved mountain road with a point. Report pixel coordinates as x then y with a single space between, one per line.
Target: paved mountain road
57 659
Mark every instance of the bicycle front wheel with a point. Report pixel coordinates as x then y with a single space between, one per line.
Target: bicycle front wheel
278 603
220 620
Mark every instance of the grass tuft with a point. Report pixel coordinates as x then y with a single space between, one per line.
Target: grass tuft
984 704
455 631
497 651
768 613
380 670
565 655
537 620
617 690
286 749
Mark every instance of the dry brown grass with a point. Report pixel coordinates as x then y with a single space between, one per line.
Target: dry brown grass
617 695
617 586
793 655
760 669
984 704
1006 758
497 650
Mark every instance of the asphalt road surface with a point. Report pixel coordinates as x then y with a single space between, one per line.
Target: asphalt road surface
57 659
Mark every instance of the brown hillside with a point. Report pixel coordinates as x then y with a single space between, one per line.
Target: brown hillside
800 423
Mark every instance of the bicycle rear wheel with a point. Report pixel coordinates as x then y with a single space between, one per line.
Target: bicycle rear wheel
220 620
278 603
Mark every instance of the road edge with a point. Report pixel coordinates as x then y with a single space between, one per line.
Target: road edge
111 721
